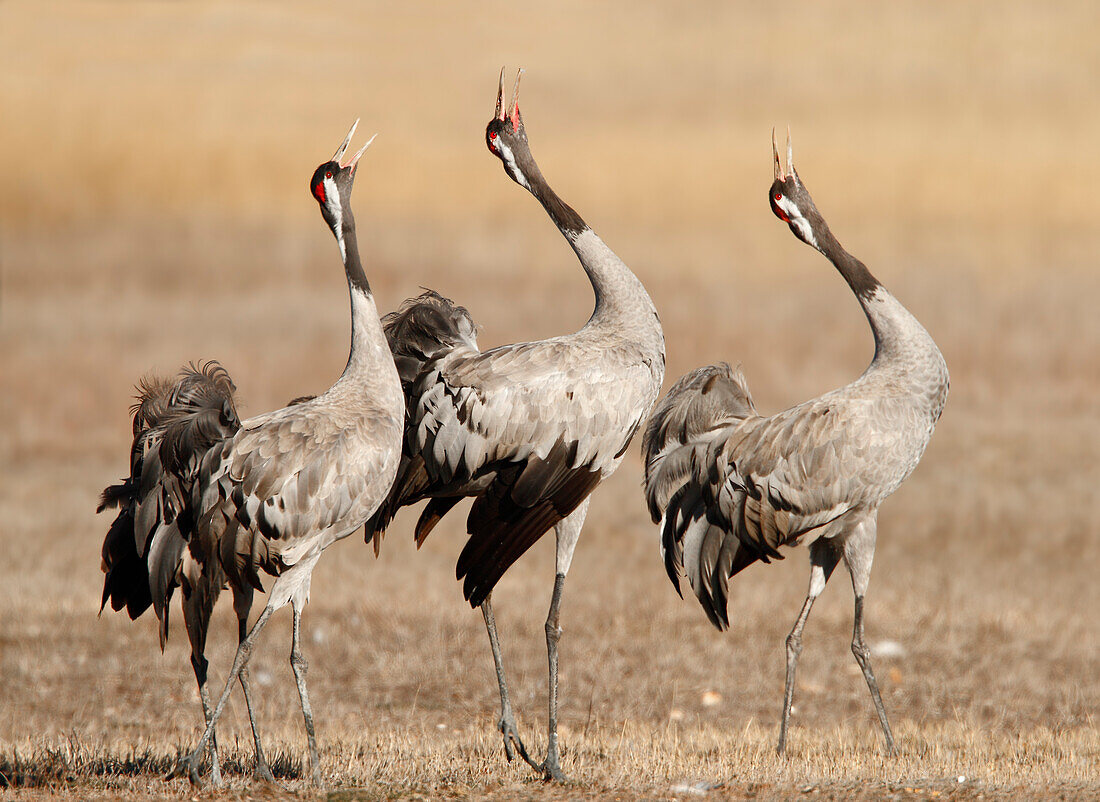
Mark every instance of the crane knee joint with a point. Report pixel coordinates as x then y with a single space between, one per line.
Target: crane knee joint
299 662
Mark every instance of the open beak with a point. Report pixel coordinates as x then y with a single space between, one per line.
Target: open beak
500 97
513 113
340 151
354 160
776 166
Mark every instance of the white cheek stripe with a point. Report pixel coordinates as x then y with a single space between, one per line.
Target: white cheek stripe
797 219
788 208
332 200
807 232
510 164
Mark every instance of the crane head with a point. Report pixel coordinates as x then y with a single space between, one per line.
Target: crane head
332 181
507 138
789 200
331 186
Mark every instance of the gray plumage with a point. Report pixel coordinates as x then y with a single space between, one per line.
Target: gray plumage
422 328
289 483
145 553
529 429
214 500
175 423
730 487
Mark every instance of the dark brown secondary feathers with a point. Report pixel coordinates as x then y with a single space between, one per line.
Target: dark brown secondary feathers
490 425
700 400
678 444
421 329
521 504
175 423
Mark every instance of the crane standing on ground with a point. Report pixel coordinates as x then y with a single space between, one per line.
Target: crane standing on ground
272 492
528 429
729 486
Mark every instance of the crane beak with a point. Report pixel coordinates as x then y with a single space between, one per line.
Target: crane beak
512 114
354 160
790 154
500 97
340 151
777 167
515 103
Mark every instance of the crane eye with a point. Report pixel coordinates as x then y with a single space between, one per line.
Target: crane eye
328 174
493 135
778 196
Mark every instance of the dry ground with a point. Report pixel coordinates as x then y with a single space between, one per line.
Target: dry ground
154 210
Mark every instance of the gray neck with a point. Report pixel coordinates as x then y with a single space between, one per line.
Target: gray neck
898 334
620 297
621 300
369 350
349 244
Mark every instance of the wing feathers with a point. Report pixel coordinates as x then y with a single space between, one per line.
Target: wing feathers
731 487
501 530
175 422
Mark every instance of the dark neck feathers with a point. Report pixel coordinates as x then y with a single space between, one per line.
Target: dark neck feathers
857 275
352 264
565 218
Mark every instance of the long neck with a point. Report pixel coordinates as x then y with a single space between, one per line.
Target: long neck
349 251
368 342
897 332
620 297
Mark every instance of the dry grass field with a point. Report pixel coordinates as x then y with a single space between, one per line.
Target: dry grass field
153 209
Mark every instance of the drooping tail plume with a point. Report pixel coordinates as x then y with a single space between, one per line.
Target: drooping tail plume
694 418
421 330
175 423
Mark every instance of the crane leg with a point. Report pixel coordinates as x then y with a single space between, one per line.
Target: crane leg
197 607
300 666
507 723
567 532
261 771
200 664
551 767
189 764
823 559
863 657
242 605
859 553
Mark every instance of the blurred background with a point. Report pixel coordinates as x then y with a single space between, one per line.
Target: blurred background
154 209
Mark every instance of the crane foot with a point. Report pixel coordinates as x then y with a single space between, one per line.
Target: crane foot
551 772
186 766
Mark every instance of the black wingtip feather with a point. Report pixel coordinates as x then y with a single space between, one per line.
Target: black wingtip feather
501 531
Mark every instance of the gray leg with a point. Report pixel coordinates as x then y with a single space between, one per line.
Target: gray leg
794 649
859 553
261 771
189 764
507 722
200 664
567 532
198 603
863 657
551 768
300 666
823 559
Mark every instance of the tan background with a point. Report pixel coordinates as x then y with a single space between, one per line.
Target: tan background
154 209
